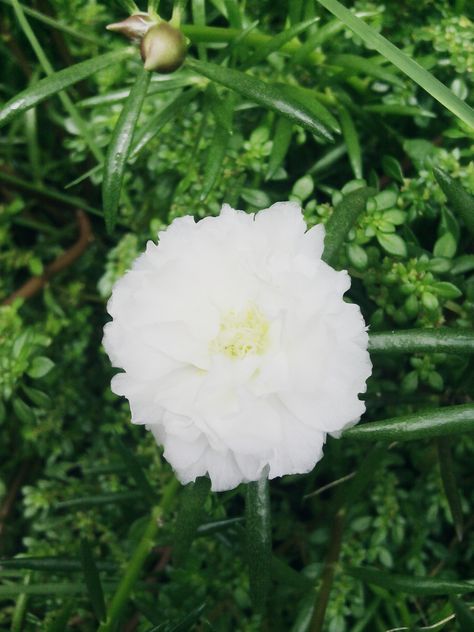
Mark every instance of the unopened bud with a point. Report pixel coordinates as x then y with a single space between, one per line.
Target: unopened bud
134 27
163 48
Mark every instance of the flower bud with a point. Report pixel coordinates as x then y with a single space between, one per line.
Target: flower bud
134 27
163 48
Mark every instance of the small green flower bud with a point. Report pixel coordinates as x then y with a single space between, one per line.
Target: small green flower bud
163 48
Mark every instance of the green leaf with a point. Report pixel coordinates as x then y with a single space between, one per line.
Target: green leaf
402 61
399 110
137 560
446 290
463 264
319 111
48 193
439 422
362 65
157 122
23 411
392 168
386 200
460 201
119 148
92 581
278 41
464 615
280 145
303 188
40 367
442 340
257 198
57 82
267 95
430 301
217 525
259 540
18 617
285 574
135 469
351 138
343 218
218 147
395 217
37 397
411 585
392 243
189 517
45 589
51 564
357 256
445 246
59 623
450 485
99 499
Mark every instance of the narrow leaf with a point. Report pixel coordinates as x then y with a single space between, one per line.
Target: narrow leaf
442 340
135 469
264 94
450 485
59 623
351 138
407 65
342 220
460 201
99 499
362 65
280 145
49 193
57 82
278 41
464 615
18 617
318 110
189 517
119 148
157 122
399 110
40 367
214 161
410 584
439 422
92 581
49 589
259 540
135 565
217 526
51 564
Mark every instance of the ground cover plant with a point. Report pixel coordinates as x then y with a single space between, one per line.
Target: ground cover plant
361 113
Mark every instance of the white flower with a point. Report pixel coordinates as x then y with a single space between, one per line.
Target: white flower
237 347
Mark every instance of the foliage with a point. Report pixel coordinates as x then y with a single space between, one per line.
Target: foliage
254 118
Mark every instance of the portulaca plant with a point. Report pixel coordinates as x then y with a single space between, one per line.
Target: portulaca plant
238 337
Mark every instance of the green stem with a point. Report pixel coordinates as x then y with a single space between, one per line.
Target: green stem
259 540
134 567
443 340
322 597
48 193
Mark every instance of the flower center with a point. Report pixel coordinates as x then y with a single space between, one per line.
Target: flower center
241 333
